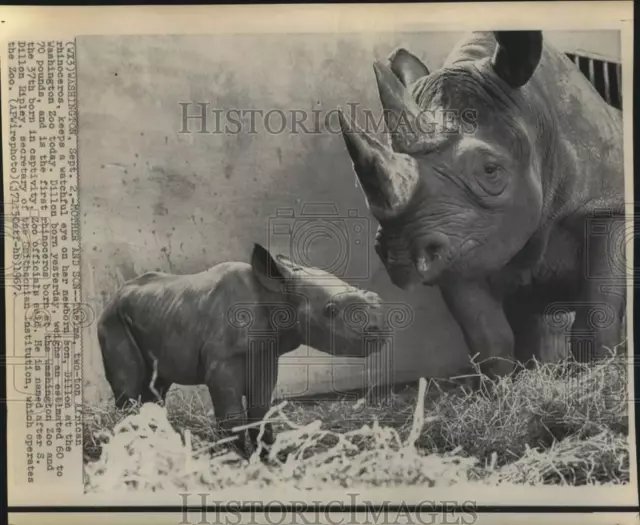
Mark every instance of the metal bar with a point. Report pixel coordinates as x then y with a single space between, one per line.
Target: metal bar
611 72
592 73
619 75
607 86
595 56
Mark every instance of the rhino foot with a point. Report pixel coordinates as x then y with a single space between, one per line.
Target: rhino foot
265 457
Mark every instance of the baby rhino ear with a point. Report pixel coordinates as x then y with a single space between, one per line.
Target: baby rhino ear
273 274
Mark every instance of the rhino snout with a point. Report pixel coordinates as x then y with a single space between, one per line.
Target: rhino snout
376 325
431 257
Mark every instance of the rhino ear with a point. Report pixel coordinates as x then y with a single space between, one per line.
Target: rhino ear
406 66
271 273
517 55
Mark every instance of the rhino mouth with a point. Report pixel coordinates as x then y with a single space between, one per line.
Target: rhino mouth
360 343
464 254
450 265
403 278
358 350
467 246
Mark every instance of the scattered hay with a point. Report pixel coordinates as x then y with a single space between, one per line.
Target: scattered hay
540 427
145 453
534 409
572 461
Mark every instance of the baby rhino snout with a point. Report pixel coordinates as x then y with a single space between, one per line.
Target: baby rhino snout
375 313
374 326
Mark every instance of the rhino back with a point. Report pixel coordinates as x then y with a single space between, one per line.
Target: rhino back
175 318
588 133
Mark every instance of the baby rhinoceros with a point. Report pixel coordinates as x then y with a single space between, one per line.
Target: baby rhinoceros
226 328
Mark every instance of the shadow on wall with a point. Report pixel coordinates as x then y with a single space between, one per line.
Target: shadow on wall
153 198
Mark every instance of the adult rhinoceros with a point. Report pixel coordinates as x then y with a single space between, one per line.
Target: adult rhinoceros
500 162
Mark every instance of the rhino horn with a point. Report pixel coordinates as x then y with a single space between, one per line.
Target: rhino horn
388 178
410 128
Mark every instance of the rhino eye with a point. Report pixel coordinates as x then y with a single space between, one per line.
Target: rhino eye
490 169
330 310
493 179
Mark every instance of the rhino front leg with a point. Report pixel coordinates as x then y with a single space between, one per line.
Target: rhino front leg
225 380
598 325
534 335
480 314
262 376
600 311
528 333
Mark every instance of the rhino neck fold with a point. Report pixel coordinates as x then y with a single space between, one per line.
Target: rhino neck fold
288 341
280 319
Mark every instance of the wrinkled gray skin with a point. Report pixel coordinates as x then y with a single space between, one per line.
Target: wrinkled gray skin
496 211
226 328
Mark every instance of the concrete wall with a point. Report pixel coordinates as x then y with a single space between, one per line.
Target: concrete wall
152 198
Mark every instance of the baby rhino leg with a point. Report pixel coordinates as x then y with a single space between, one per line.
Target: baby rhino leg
125 369
225 380
261 376
156 391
